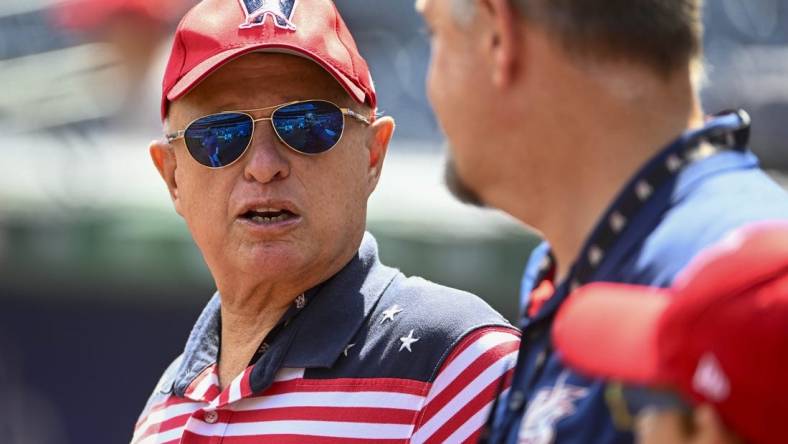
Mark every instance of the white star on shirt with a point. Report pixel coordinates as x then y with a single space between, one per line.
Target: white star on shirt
390 313
347 348
407 341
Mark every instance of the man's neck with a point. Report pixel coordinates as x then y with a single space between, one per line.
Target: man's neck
251 307
244 326
610 125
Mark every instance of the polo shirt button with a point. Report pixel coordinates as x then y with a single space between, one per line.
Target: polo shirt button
211 417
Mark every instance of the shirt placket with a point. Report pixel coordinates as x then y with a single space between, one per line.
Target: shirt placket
212 421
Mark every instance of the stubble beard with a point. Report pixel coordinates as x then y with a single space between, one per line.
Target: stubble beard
458 187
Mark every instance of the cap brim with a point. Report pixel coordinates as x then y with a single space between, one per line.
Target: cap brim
610 331
211 64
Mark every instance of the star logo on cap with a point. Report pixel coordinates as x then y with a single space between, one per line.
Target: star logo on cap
407 341
281 12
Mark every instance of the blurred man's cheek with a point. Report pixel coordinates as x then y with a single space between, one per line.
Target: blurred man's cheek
655 427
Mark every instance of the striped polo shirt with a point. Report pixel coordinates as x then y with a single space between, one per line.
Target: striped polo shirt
369 356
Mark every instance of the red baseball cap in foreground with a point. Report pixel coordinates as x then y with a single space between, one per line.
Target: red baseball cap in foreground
217 31
719 336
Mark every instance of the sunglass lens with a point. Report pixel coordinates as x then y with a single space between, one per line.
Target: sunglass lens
219 139
309 127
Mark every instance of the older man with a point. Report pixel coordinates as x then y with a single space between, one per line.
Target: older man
581 118
273 149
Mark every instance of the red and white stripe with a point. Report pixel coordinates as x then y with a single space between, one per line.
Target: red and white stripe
358 410
461 396
165 421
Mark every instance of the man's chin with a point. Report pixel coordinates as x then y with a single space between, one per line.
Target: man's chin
458 187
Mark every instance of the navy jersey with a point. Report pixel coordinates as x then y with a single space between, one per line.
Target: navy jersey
683 200
368 356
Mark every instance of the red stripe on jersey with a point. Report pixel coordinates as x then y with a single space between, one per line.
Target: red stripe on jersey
467 341
170 401
393 385
161 427
212 392
191 438
470 373
246 385
224 396
478 403
205 374
380 415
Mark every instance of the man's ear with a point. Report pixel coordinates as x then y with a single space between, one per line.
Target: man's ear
378 138
501 38
163 157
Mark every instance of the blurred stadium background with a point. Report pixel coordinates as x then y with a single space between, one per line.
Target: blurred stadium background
99 279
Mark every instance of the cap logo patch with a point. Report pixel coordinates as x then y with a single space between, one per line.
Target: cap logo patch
709 380
281 12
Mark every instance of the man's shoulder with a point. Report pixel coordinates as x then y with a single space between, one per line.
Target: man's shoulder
445 313
413 329
714 208
439 303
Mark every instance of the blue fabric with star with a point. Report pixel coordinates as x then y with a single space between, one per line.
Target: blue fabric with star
367 321
706 199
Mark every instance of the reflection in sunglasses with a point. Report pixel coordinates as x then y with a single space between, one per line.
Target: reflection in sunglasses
308 127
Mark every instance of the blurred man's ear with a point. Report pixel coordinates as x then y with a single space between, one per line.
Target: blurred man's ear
708 428
163 157
502 39
378 138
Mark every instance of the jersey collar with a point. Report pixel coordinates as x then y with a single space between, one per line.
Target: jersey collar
314 339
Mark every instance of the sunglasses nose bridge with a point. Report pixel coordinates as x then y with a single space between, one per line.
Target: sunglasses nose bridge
265 158
265 134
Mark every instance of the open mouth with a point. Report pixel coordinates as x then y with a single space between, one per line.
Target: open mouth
268 215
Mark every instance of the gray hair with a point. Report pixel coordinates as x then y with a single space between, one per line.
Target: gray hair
663 34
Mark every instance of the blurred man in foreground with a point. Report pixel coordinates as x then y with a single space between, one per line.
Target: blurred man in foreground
702 362
273 148
581 119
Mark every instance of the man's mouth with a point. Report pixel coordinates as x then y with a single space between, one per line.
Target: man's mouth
268 215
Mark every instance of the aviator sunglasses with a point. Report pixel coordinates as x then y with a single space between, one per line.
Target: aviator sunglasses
307 127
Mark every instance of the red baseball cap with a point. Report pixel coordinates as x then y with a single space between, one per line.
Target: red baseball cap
719 336
217 31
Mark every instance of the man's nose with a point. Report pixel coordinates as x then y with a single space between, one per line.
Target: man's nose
267 159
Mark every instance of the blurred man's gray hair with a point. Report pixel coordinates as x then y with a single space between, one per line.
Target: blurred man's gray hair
663 34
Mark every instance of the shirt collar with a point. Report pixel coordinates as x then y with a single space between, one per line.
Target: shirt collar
731 126
332 319
316 337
